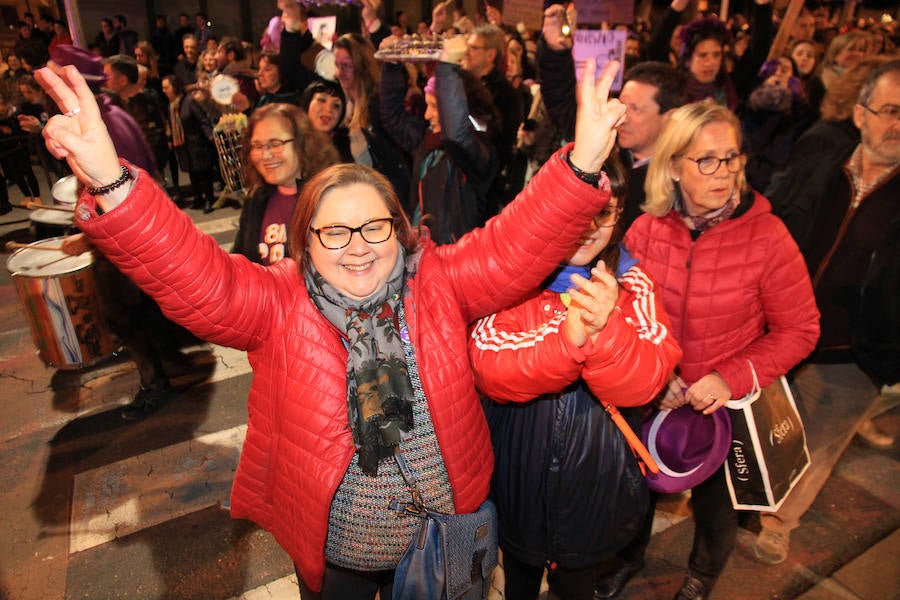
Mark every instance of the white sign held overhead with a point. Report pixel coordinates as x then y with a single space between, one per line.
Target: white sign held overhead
322 29
603 46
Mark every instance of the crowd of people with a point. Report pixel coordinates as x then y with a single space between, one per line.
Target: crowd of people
483 221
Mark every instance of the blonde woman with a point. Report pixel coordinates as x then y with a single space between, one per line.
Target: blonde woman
734 285
844 52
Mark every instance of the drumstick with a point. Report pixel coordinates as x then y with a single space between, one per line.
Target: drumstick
34 205
16 246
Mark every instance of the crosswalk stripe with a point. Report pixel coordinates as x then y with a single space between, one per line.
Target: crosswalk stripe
154 487
284 588
219 225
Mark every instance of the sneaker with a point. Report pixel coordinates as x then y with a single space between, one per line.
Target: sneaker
613 584
691 589
146 402
772 546
873 436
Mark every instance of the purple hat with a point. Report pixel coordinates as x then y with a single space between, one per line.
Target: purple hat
90 66
687 445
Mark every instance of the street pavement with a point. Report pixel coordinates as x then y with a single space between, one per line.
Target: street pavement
94 507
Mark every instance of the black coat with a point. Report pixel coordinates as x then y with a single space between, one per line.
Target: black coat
558 445
199 151
452 178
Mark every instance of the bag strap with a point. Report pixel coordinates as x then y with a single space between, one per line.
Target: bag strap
417 506
637 447
739 403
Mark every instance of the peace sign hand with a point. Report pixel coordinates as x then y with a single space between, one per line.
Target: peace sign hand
79 134
598 117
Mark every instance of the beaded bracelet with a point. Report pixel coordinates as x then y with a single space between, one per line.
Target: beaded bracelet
589 178
105 189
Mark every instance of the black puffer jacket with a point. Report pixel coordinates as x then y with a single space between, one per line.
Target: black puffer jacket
450 181
533 450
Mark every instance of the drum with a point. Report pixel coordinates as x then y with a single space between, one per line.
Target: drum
60 301
227 136
46 222
65 191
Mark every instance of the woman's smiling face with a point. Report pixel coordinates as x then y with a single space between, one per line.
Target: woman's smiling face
278 166
360 268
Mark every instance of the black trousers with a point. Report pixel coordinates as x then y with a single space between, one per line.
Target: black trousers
523 581
715 530
345 584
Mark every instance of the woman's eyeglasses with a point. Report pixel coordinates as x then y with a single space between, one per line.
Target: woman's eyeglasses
708 165
273 146
335 237
607 217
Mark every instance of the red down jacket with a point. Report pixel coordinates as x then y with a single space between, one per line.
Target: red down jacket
739 292
298 443
523 352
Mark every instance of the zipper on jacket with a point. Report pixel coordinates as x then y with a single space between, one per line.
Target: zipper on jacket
687 287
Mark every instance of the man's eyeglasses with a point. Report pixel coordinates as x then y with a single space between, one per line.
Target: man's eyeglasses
607 217
708 165
273 146
335 237
475 47
888 112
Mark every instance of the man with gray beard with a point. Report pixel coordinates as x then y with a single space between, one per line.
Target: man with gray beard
850 238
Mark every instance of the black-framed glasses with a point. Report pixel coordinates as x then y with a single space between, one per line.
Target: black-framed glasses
608 217
335 237
708 165
273 146
888 112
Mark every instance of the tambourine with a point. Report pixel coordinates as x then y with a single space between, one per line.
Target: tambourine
222 88
325 65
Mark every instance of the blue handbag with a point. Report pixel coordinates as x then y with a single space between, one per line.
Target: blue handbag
451 557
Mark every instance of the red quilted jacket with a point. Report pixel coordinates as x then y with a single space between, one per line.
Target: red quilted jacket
739 292
298 443
524 352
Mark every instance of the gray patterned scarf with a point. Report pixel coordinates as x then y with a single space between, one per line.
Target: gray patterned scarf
379 392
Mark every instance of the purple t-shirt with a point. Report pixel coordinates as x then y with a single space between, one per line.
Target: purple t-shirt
273 231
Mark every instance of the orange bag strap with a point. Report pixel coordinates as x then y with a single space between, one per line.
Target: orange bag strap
637 446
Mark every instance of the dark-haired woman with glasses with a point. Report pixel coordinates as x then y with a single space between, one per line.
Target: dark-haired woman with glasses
595 331
281 151
736 288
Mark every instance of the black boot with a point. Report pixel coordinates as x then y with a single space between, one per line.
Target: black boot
693 589
613 584
147 401
208 207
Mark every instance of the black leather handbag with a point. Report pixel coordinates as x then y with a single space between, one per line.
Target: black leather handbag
451 557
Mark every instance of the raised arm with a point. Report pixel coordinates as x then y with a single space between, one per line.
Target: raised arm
136 226
493 267
471 152
557 72
406 129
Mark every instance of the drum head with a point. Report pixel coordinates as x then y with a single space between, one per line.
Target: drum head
46 216
28 262
222 88
325 66
65 191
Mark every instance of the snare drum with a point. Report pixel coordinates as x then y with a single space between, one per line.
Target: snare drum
47 222
60 302
228 146
65 191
